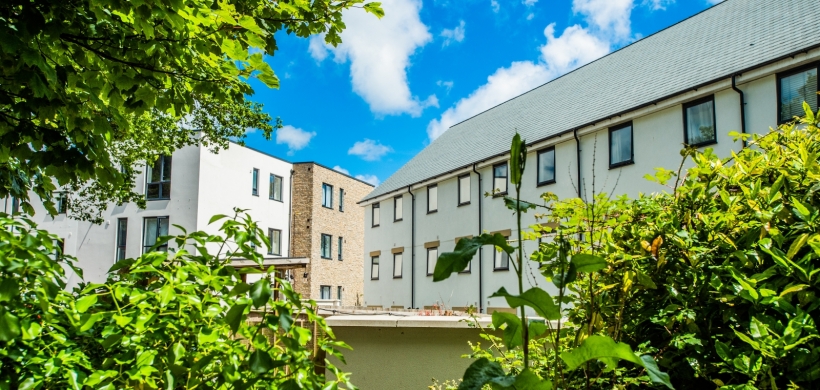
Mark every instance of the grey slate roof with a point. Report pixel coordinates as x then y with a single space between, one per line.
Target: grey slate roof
726 39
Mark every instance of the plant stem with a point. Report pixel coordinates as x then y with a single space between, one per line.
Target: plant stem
520 273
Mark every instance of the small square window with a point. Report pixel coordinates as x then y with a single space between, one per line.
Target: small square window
275 238
464 189
158 179
500 179
620 145
432 198
794 88
324 292
327 195
699 122
546 166
374 268
432 257
375 215
153 229
501 260
398 213
276 183
327 243
397 265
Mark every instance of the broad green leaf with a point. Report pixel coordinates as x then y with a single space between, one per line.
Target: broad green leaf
518 206
375 9
527 380
775 189
85 302
518 159
482 372
655 374
601 348
797 245
261 292
261 362
793 289
535 298
217 218
166 295
536 329
563 279
586 263
9 326
235 316
9 289
465 250
513 334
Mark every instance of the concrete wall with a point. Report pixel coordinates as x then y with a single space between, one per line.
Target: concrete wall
658 137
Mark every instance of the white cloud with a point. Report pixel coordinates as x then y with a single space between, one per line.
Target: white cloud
608 16
660 5
379 53
529 3
530 16
369 150
294 137
454 34
559 55
495 5
448 85
372 179
342 170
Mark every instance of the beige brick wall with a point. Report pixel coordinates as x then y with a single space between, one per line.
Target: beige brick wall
311 220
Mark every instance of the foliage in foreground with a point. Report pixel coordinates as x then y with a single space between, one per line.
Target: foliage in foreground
718 281
163 320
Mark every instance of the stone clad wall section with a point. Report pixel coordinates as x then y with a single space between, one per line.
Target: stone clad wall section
301 224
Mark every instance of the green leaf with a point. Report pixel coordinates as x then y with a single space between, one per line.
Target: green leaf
536 329
261 362
535 298
520 206
375 9
655 374
166 294
9 326
85 302
562 279
261 292
217 218
776 187
482 372
528 380
513 333
518 159
456 261
9 288
586 263
235 316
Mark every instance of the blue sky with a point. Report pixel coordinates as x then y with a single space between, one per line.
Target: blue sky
369 105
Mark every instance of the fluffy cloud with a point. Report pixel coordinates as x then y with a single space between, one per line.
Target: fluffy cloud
448 85
294 137
342 170
379 53
656 5
529 3
372 179
454 34
608 24
495 5
369 150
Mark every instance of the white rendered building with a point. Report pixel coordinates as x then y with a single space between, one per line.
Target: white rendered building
742 65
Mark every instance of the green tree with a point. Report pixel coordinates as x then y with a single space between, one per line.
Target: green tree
86 82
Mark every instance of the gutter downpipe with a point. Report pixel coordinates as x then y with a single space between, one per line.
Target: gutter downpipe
290 211
742 108
480 251
578 160
412 247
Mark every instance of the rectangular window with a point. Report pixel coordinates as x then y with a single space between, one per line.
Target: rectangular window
327 246
341 199
325 292
500 179
397 209
154 228
432 199
15 206
546 166
699 122
341 240
276 187
158 179
275 238
432 256
464 189
255 186
374 268
793 89
397 258
59 249
122 236
327 195
61 202
339 293
501 260
375 215
620 145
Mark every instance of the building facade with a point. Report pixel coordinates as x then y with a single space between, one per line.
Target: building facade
190 187
742 66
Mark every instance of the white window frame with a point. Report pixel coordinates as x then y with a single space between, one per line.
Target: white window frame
431 264
397 265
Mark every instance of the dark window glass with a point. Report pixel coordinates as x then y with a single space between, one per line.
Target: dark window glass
61 202
341 199
501 260
397 265
339 293
339 246
620 145
327 195
398 212
432 257
325 292
500 178
795 89
15 206
327 243
255 185
154 228
275 238
546 166
122 237
375 214
699 122
374 268
276 187
59 249
158 175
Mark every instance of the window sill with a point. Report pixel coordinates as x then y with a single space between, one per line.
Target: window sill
500 194
464 204
621 164
501 269
276 200
702 144
150 199
398 220
397 277
329 208
256 195
326 258
375 226
372 278
432 212
545 183
465 272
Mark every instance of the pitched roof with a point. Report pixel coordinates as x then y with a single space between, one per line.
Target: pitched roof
728 38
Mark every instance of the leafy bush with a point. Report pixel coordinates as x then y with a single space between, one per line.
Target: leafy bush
717 280
163 320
